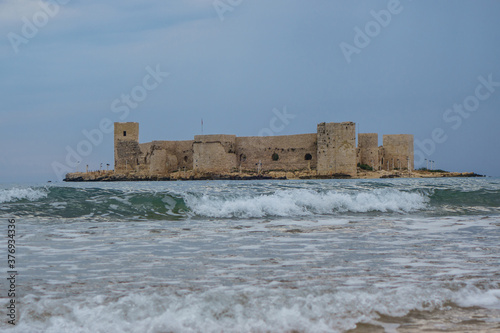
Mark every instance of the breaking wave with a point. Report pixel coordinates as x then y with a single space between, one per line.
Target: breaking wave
224 309
307 202
249 200
67 202
18 194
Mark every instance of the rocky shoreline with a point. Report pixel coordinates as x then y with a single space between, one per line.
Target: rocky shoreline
111 176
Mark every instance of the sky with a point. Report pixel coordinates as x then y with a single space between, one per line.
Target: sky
70 68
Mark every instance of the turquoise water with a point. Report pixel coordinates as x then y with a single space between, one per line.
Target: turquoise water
257 256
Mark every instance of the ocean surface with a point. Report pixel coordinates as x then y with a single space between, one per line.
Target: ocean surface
392 255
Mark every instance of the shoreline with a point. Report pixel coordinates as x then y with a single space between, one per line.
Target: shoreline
111 176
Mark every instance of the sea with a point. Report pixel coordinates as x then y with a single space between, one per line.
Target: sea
384 255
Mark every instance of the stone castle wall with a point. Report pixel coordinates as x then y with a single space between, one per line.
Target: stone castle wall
332 150
287 152
164 157
127 148
398 150
368 149
214 153
336 148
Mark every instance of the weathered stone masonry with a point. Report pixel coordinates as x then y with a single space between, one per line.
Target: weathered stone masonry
331 150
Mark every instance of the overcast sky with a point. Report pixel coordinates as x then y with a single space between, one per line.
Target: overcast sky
247 67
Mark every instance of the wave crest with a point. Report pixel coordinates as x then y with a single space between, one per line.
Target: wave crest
307 202
16 194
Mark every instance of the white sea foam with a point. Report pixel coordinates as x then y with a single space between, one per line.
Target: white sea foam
15 194
225 309
300 202
487 299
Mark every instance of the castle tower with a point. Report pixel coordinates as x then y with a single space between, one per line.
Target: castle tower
398 152
368 149
336 148
127 149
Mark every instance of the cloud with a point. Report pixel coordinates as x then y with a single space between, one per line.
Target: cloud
98 22
12 11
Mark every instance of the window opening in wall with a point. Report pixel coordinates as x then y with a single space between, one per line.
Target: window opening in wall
185 159
275 157
308 157
124 133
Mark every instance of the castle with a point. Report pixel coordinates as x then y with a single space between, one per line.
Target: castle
330 151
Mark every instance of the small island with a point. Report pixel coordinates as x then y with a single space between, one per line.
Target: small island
330 153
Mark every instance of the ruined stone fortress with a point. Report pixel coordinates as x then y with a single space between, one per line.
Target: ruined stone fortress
328 152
